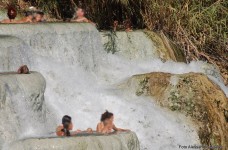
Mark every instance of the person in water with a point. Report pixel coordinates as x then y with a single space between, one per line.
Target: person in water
27 19
12 14
80 17
39 17
106 125
128 25
67 126
23 70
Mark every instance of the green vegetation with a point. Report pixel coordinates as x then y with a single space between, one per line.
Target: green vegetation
111 46
143 87
198 27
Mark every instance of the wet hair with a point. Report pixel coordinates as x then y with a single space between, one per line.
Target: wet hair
106 115
40 13
23 70
12 12
66 120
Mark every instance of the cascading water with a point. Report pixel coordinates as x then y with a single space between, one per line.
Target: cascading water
83 81
2 15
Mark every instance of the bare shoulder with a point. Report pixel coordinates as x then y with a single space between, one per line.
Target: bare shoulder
100 124
85 19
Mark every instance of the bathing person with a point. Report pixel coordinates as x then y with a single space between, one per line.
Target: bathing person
28 18
39 17
67 126
128 25
106 125
64 129
12 13
80 17
23 70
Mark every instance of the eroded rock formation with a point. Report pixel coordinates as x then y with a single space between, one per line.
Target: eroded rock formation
193 94
21 104
119 141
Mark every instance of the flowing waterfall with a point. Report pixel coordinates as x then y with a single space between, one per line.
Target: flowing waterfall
83 81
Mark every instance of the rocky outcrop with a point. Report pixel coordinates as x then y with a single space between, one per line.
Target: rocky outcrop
21 104
13 53
140 45
131 45
193 94
119 141
68 43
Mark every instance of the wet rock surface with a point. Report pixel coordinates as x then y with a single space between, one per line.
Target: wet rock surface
193 94
118 141
17 93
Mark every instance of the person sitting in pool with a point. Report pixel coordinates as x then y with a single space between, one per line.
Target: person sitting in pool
67 126
27 19
106 125
39 17
12 13
23 70
80 17
128 25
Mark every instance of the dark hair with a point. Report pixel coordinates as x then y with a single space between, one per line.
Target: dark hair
23 70
40 13
106 115
12 12
66 120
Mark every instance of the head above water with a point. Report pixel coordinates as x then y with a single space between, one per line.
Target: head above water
67 125
23 70
12 12
67 122
107 116
66 119
39 16
80 12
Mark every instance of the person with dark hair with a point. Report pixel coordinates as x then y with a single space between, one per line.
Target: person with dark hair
106 125
128 25
39 16
12 14
64 129
23 70
67 126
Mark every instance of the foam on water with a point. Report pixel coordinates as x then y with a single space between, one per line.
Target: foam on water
84 96
82 82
